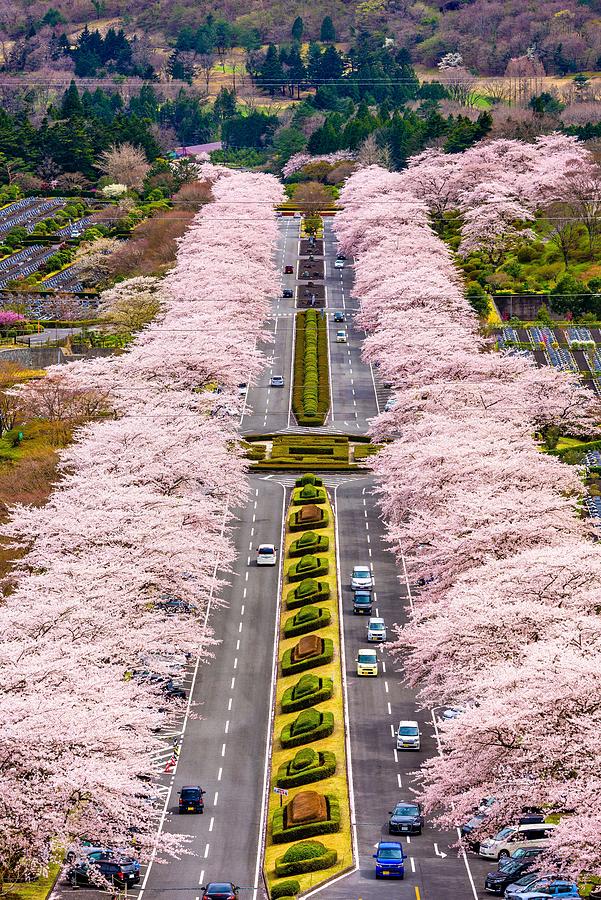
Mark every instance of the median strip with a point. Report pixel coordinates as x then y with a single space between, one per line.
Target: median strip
308 836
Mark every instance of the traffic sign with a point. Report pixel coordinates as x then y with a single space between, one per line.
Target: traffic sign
282 791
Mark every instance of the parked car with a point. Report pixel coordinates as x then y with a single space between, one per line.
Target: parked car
511 869
191 799
339 264
408 735
277 381
169 687
390 404
288 270
287 293
96 851
512 837
367 662
361 578
220 890
242 389
121 871
341 337
376 629
267 555
406 818
390 860
338 316
522 884
362 602
544 888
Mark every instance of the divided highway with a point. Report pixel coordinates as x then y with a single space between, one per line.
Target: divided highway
224 735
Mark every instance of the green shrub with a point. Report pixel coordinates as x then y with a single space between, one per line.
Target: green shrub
308 591
283 889
310 618
309 493
293 774
310 725
303 696
308 567
326 656
281 835
323 860
309 542
311 387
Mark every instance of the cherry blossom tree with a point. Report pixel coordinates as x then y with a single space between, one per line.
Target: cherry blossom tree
141 514
506 621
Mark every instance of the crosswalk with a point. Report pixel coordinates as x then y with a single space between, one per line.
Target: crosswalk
330 481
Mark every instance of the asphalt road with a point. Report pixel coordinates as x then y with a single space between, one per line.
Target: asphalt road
223 738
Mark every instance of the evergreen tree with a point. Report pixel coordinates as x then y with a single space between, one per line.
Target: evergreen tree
298 27
225 104
271 76
331 64
71 103
296 73
314 62
327 32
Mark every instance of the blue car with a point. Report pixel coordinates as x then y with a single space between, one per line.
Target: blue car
390 860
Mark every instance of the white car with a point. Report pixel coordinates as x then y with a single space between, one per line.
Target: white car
367 662
339 264
267 555
361 578
390 404
277 381
376 630
408 736
341 336
242 389
513 837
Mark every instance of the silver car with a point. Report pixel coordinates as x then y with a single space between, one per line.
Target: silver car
376 630
361 578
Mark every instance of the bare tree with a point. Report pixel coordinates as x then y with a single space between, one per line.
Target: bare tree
565 231
125 164
206 61
370 154
584 197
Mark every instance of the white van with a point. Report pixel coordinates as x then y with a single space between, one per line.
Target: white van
514 837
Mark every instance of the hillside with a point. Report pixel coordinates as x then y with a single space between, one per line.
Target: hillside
487 33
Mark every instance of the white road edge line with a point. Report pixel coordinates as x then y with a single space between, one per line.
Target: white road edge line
187 714
274 663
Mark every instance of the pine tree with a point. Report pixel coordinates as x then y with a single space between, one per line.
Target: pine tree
298 28
327 32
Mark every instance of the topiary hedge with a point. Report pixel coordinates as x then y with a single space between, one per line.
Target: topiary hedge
307 856
320 659
282 835
308 494
311 385
284 889
308 566
308 691
309 542
309 618
304 769
310 725
308 591
295 523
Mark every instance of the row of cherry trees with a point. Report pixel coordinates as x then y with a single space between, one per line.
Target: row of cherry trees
140 515
507 622
498 186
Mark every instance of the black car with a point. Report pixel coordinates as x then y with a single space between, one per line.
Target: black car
287 292
406 818
511 869
190 799
220 890
362 603
338 316
121 871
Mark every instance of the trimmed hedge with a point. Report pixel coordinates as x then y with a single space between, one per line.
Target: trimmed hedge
325 767
308 493
310 618
295 525
309 856
309 542
311 385
282 835
291 668
284 889
308 479
308 591
308 691
308 566
310 725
